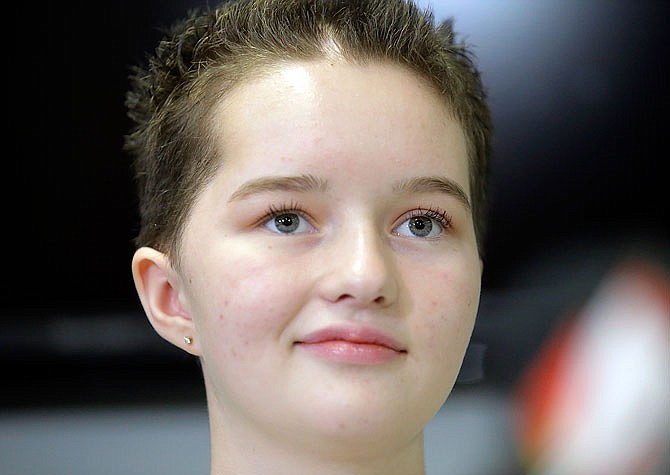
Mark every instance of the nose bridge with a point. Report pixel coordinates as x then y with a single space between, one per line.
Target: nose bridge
367 255
362 266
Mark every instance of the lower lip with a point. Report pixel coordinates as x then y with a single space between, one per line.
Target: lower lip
349 352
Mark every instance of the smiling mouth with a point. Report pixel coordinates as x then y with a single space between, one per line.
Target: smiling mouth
354 346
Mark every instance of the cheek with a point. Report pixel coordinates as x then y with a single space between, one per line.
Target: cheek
243 302
444 306
448 302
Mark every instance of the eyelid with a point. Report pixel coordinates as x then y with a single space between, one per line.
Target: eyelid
439 215
274 211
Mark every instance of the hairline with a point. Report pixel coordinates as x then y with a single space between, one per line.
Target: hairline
215 83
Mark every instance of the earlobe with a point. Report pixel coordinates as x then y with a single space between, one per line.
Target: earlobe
158 286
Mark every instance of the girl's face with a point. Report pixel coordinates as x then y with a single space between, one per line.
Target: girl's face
330 267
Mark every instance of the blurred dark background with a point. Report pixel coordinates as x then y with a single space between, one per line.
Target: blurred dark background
579 92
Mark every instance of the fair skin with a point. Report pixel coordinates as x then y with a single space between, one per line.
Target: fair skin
331 310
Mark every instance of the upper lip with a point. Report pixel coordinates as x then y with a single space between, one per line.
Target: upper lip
363 335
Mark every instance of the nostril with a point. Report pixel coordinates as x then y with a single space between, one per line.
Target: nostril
344 297
380 300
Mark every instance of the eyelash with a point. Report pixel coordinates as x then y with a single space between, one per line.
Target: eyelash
438 214
274 211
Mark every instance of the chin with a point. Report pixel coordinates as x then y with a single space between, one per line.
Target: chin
363 419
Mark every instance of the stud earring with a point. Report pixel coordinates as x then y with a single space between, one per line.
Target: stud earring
188 340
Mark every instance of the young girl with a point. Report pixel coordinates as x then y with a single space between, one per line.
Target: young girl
312 180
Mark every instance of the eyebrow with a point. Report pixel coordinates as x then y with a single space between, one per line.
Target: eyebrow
310 183
433 184
300 183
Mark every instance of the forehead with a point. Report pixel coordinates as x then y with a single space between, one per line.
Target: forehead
330 114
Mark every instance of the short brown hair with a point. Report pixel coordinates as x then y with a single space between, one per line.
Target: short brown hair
207 54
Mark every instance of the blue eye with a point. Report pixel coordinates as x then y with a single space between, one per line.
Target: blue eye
288 223
424 224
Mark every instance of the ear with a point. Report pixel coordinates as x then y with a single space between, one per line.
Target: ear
159 288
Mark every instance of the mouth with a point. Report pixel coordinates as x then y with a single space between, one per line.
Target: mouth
354 345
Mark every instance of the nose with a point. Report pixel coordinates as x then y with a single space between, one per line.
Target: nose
359 269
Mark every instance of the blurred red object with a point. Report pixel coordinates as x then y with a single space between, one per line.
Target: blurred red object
596 399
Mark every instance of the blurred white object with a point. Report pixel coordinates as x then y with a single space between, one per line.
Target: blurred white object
597 401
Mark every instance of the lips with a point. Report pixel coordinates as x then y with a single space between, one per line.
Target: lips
356 345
